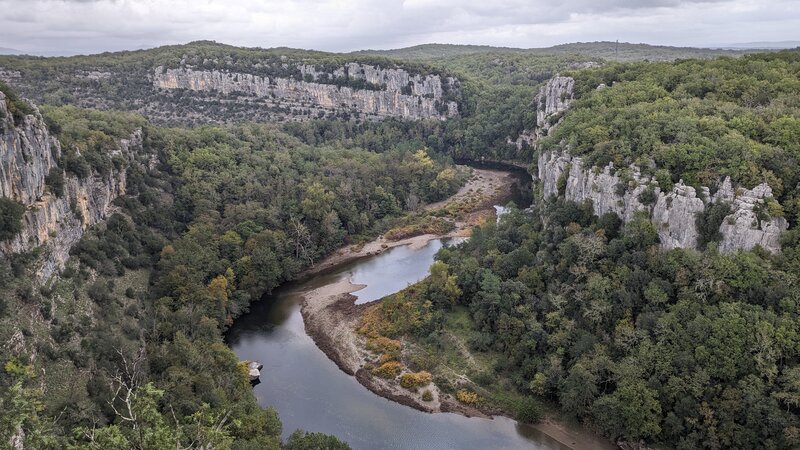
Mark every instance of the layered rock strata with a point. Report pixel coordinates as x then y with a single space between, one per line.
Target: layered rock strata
385 92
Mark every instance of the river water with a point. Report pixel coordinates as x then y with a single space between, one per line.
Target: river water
311 393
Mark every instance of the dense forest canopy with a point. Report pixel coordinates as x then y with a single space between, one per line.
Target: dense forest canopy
683 348
694 120
225 216
613 51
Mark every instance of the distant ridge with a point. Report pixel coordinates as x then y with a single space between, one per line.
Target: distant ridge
765 45
9 51
622 51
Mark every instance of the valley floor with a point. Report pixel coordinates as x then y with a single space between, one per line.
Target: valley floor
332 317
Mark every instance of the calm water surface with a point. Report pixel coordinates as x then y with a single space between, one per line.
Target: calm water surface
311 393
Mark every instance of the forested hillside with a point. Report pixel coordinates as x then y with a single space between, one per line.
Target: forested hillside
124 349
555 306
682 348
694 120
207 82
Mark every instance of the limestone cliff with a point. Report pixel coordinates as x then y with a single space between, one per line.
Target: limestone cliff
371 91
551 101
27 155
673 212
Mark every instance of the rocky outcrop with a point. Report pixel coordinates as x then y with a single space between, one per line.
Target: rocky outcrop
749 224
673 212
628 192
371 91
253 370
28 153
551 101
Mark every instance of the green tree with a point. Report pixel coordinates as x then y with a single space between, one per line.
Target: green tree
11 213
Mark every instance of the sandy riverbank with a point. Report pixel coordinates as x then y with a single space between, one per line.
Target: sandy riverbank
331 316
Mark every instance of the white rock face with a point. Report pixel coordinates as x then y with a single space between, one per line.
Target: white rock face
553 98
405 96
27 154
742 229
673 213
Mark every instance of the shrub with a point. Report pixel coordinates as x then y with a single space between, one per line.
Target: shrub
648 196
444 384
10 218
386 357
466 397
528 410
709 221
427 396
411 380
388 370
55 181
427 225
383 344
17 107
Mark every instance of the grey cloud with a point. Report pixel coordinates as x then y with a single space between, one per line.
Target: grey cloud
98 25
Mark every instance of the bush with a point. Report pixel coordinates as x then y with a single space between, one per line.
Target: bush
411 380
427 396
55 181
11 213
528 410
444 384
388 370
648 196
709 221
383 344
301 440
16 106
466 397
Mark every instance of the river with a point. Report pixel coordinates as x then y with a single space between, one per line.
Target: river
311 393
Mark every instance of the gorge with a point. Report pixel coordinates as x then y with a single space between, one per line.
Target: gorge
310 211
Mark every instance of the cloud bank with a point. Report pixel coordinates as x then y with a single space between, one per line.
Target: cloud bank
90 26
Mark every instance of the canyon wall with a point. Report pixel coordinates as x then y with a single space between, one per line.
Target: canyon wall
28 153
551 101
673 211
379 92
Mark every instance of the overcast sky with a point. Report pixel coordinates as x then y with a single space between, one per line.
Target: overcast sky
90 26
